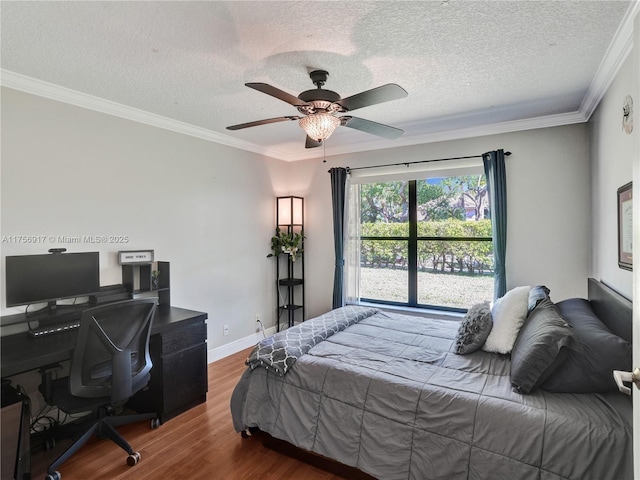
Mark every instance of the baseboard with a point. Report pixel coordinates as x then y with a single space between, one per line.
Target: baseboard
230 348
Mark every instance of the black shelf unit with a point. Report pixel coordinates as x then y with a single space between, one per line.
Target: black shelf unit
145 284
290 288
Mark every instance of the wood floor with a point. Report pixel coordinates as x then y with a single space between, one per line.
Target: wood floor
199 444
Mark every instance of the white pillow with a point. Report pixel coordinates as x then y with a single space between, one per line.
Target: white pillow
508 313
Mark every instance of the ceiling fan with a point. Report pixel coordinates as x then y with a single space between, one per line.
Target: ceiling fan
320 106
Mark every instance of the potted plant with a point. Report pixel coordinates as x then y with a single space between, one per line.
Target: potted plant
289 243
155 277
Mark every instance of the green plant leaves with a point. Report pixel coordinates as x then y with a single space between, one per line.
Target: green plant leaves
289 243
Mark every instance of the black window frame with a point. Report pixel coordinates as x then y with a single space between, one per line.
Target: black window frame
412 255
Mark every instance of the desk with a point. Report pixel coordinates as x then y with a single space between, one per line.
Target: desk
177 346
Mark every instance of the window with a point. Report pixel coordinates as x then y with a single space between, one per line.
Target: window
426 242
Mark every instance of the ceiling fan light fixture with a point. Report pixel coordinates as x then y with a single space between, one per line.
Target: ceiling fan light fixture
319 108
319 126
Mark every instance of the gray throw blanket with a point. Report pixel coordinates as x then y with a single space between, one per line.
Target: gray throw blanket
281 350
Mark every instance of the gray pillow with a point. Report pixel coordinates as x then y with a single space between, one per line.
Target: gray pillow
474 329
590 370
541 347
536 295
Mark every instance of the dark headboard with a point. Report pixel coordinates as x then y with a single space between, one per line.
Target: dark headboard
613 309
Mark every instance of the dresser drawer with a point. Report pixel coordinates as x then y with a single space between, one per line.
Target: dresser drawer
182 338
185 379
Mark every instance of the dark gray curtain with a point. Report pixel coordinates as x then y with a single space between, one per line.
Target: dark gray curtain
494 169
338 183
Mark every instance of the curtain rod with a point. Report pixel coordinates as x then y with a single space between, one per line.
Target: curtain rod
406 164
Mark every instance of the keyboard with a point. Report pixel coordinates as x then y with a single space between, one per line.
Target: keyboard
63 323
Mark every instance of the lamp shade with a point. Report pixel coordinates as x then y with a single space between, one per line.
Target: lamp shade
290 211
319 126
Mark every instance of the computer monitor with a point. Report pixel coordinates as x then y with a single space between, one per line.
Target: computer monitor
48 278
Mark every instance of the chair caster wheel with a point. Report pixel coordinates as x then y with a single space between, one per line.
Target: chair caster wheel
133 459
155 423
54 476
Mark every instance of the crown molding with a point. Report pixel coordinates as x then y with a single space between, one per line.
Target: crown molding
40 88
52 91
617 52
454 134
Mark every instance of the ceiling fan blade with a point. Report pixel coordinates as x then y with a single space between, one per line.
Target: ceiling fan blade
385 93
371 127
261 122
276 92
311 143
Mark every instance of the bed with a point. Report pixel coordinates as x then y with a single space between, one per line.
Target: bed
386 394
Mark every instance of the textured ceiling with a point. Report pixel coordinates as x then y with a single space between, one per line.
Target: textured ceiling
464 63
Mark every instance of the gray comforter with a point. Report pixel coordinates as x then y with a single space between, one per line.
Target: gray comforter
387 395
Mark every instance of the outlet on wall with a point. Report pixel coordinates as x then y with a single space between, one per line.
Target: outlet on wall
225 329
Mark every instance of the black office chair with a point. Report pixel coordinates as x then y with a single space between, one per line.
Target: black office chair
110 363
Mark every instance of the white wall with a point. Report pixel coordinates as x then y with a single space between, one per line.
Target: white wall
616 161
206 208
548 207
209 209
612 167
